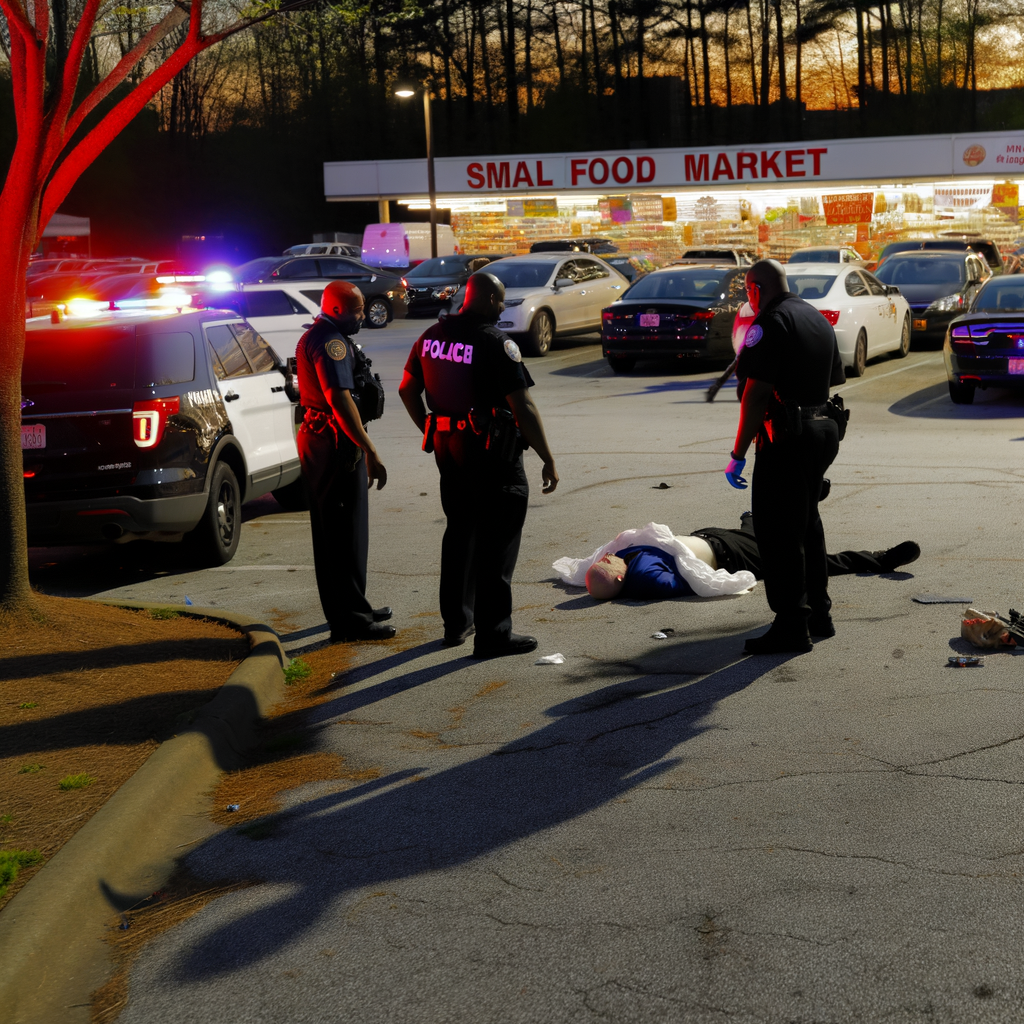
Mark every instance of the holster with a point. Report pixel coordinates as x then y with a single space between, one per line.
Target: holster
428 433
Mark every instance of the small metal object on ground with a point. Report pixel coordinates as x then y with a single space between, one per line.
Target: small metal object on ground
941 599
233 807
965 661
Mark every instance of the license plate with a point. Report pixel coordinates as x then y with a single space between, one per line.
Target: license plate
650 319
34 435
920 325
1015 366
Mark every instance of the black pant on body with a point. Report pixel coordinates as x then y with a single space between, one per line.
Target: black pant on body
786 488
339 523
737 549
484 499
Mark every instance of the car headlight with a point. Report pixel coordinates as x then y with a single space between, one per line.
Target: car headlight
946 304
446 292
509 303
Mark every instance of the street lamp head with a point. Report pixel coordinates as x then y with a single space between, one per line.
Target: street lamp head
405 93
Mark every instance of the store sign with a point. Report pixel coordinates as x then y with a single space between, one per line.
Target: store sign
962 197
855 208
920 157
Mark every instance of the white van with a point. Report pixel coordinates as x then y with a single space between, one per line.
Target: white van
399 245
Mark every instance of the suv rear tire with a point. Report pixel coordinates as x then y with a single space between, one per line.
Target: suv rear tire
961 394
621 364
378 312
215 538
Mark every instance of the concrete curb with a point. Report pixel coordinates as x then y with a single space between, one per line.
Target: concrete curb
52 953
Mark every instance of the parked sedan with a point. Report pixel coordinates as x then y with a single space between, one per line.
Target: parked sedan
826 254
548 294
385 292
435 284
939 286
870 318
986 346
679 311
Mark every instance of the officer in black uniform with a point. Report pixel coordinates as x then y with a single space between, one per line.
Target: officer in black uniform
333 444
789 361
476 388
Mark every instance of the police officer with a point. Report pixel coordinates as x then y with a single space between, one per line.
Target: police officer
477 390
789 361
333 445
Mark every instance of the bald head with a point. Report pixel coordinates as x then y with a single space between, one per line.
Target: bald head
766 281
485 295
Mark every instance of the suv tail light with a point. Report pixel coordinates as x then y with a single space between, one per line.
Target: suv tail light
149 419
831 315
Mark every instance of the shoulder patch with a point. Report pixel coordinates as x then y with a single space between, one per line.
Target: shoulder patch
753 336
512 351
336 349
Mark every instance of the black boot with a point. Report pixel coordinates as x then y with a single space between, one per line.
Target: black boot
902 554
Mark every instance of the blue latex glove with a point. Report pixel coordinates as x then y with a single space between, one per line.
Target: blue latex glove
733 471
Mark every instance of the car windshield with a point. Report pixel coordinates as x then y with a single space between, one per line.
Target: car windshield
255 270
811 286
1001 295
815 256
700 283
909 270
439 267
522 275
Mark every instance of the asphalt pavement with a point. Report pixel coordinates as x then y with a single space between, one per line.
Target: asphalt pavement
655 830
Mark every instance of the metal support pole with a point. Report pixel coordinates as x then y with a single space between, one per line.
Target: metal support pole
383 211
430 172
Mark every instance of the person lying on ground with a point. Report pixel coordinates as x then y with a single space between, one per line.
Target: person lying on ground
649 571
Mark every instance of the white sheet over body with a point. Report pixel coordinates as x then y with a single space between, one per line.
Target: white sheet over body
705 581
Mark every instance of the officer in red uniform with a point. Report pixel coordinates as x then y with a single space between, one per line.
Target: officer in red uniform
333 445
480 414
789 360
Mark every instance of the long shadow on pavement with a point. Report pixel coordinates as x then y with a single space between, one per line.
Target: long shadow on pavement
599 746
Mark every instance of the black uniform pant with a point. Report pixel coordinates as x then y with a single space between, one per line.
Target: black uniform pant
484 499
339 523
786 487
737 549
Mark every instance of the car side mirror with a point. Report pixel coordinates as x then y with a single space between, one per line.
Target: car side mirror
564 282
891 289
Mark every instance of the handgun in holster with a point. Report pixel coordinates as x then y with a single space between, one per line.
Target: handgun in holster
502 435
428 433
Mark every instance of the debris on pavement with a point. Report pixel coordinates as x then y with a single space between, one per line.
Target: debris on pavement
965 661
659 636
661 487
941 599
233 807
990 629
551 659
188 600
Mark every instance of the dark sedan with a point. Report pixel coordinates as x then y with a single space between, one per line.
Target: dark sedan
677 312
435 284
986 346
938 286
384 291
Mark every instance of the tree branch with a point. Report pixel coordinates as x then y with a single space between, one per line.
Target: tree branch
17 18
71 73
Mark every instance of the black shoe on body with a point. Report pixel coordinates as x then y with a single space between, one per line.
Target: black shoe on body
821 626
383 614
517 643
779 641
902 554
372 631
458 639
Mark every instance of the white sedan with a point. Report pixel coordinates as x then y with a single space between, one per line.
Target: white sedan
869 318
547 294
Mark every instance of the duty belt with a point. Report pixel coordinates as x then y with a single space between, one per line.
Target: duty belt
449 423
813 412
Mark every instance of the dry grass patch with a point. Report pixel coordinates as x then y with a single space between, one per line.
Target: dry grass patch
87 692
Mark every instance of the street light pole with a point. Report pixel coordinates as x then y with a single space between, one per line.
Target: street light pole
429 124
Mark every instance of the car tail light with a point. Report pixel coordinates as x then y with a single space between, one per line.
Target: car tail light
962 332
704 314
607 315
831 315
149 419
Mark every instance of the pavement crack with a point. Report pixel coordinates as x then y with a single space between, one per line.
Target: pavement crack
869 857
965 753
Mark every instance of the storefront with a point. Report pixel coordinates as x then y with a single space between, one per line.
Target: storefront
772 199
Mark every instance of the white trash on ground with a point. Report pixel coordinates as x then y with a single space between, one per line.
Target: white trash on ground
551 659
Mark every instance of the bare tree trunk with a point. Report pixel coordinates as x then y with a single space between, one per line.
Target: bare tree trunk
765 56
728 70
595 50
861 71
798 85
559 52
870 47
780 36
528 56
753 65
882 9
511 79
938 44
705 58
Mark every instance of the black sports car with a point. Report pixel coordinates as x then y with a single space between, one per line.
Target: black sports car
681 311
436 284
986 346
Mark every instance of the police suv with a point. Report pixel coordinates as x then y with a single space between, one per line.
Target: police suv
155 425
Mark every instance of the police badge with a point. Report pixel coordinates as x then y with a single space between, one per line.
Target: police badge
512 351
336 349
753 336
